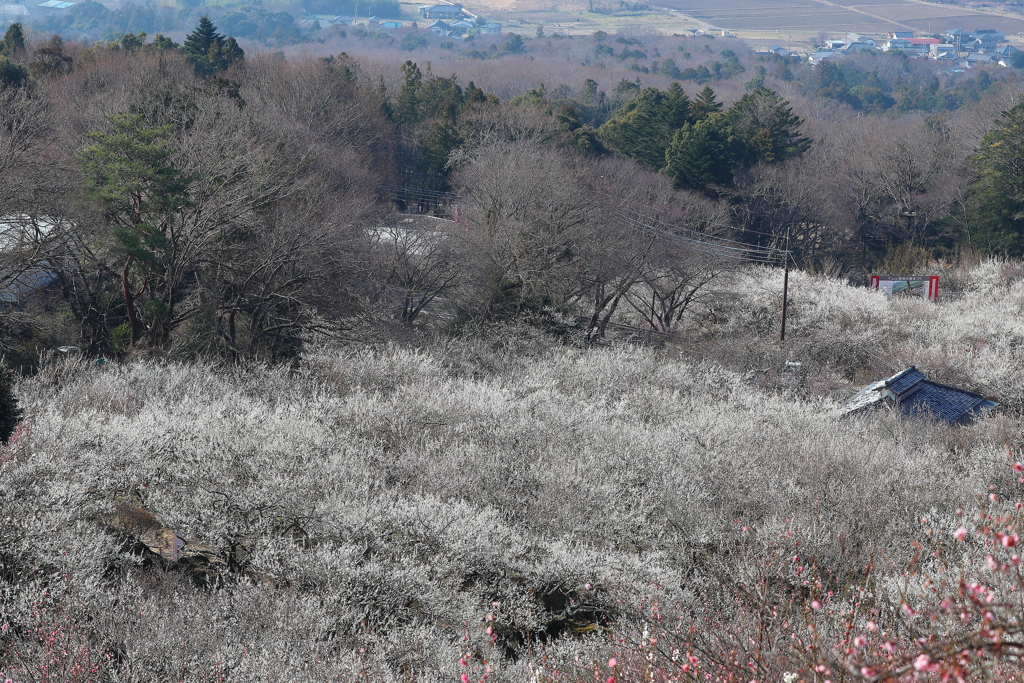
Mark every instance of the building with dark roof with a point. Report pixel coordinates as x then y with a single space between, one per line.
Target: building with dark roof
446 12
914 395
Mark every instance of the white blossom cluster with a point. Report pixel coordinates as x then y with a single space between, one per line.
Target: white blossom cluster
364 512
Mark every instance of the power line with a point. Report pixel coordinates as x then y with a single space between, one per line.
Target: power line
717 246
701 242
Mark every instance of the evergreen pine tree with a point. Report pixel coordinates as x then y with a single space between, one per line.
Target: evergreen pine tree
438 144
208 50
702 154
676 107
638 129
767 126
130 177
705 104
197 44
12 74
998 199
162 42
14 40
406 109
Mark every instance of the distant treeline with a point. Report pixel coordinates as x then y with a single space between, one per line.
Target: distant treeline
196 199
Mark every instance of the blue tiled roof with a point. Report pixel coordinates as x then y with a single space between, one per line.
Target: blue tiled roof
944 402
901 382
917 396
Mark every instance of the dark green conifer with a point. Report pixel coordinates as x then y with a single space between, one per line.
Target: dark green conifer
705 104
767 126
12 74
702 154
208 50
998 192
14 40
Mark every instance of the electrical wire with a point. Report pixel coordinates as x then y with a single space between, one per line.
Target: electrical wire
701 242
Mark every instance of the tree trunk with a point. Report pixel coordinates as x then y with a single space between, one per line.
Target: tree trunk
129 302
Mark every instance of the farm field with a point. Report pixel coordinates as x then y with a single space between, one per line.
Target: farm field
862 16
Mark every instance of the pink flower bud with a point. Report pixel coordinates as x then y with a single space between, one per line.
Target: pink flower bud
612 663
815 605
960 534
922 662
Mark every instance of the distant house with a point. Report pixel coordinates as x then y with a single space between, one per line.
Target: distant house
896 44
988 38
914 395
327 20
391 24
835 44
978 59
852 38
446 12
818 57
14 12
939 48
439 27
780 51
857 47
491 28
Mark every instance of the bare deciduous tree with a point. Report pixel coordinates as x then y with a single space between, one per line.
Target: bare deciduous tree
529 210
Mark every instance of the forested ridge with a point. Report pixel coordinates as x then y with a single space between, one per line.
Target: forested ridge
194 199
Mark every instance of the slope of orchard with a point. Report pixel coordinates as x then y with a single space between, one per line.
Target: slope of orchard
391 511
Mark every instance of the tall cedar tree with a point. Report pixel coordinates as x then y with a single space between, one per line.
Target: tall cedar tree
407 109
210 51
14 40
999 188
767 126
705 104
642 128
129 176
703 153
